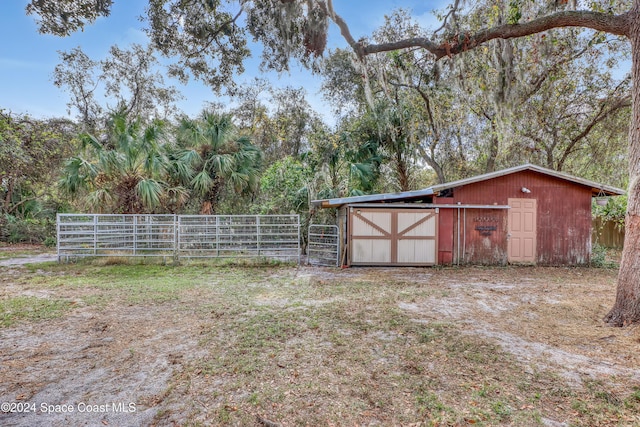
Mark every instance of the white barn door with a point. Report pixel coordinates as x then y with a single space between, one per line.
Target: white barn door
417 237
393 236
370 237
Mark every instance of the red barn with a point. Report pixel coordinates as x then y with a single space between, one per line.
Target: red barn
525 214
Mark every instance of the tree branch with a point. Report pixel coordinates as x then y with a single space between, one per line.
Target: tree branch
614 24
213 35
602 114
452 13
344 30
537 83
427 103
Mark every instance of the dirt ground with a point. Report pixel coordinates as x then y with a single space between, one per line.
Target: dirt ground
319 346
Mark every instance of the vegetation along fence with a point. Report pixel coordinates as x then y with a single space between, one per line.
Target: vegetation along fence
323 247
178 236
607 233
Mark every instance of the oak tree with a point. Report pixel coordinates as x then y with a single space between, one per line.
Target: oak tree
128 77
31 153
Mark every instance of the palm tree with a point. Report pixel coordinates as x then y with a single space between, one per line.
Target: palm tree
345 166
218 156
125 170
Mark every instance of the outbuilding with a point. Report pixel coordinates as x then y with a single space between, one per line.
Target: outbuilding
526 214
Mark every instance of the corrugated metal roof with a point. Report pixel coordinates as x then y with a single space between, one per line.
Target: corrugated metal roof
426 206
385 197
596 188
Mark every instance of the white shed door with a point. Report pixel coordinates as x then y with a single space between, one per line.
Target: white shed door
417 237
393 236
371 232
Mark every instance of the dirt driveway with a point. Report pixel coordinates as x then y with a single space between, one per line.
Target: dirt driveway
278 345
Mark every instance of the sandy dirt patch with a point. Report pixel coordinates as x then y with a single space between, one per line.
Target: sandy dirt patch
207 345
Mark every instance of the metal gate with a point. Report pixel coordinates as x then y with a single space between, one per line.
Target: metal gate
323 245
179 236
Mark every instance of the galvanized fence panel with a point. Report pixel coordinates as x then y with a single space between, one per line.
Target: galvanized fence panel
238 236
323 246
82 235
179 236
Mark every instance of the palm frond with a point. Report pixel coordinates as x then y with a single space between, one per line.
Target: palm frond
218 129
78 174
202 182
149 191
189 133
177 196
113 162
222 164
100 200
239 181
361 171
153 136
181 172
191 157
88 140
155 163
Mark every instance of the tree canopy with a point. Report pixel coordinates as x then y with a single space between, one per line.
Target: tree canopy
127 77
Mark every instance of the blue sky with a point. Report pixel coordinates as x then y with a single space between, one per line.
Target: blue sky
27 59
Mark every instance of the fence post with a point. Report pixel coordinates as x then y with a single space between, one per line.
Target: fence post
217 217
176 239
95 234
58 236
258 231
298 221
135 235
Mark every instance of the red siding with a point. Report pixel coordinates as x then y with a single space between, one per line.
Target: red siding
445 231
563 219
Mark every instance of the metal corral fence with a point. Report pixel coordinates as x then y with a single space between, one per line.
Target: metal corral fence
178 236
323 246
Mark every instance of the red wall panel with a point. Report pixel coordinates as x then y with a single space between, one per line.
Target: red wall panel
563 219
445 231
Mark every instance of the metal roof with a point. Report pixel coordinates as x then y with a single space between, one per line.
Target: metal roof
596 188
384 197
426 206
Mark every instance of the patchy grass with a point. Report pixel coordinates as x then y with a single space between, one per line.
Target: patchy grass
32 308
250 345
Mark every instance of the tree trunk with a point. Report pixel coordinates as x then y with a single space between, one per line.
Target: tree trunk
9 196
402 171
493 147
627 306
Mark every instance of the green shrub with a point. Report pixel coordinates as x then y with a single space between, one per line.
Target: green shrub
614 210
17 230
50 241
599 256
